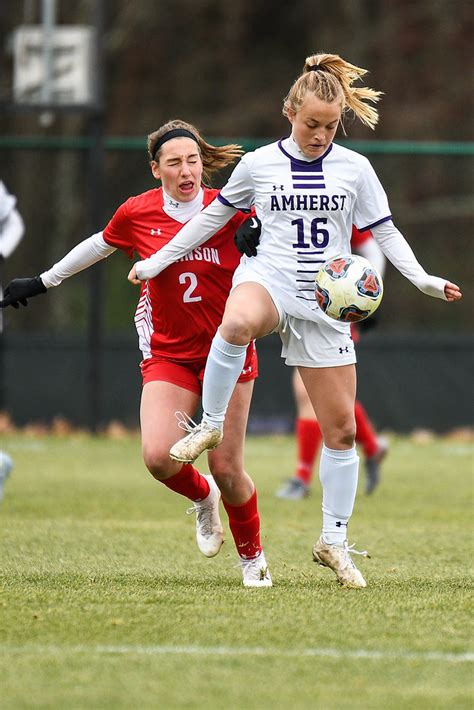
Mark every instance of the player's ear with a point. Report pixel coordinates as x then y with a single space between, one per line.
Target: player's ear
290 114
155 170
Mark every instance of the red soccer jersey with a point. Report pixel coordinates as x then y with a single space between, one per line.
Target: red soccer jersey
179 310
358 238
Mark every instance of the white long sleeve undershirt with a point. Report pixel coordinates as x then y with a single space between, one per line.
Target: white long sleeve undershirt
194 233
399 252
85 254
210 220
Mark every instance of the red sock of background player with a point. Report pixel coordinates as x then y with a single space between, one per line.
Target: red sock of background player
308 443
365 433
188 482
244 523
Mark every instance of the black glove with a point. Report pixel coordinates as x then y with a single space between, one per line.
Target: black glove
247 237
19 290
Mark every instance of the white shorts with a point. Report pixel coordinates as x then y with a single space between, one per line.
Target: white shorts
306 342
312 344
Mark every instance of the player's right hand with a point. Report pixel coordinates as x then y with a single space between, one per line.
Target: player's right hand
19 290
247 237
132 276
452 292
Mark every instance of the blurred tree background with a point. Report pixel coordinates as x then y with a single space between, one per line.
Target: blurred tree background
226 66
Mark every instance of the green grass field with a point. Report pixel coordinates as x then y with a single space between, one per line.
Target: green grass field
105 601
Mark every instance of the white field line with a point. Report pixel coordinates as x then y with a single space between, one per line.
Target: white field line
240 651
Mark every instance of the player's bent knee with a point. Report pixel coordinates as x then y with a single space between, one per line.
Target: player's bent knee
158 463
236 329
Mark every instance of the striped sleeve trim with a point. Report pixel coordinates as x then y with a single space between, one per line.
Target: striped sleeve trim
375 224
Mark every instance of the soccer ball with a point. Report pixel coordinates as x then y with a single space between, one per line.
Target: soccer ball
348 288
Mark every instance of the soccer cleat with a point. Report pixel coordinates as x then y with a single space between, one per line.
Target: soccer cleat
338 558
372 465
6 465
294 489
209 531
201 437
255 572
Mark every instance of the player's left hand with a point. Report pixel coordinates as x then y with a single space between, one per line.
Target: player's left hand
19 290
132 276
452 292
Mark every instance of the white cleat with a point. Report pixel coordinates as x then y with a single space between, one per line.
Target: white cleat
209 531
255 572
294 489
338 558
201 437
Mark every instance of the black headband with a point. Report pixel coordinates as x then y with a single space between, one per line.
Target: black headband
317 67
174 133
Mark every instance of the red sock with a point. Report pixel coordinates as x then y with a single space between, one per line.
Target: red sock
188 482
308 442
365 433
244 523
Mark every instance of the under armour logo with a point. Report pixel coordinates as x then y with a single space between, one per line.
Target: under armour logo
173 203
155 231
247 371
343 350
278 187
339 524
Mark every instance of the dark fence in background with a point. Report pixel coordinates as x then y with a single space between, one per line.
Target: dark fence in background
429 186
406 382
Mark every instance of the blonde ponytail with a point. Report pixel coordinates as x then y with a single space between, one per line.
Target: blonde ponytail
330 78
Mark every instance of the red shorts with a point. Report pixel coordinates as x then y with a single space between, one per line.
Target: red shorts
189 374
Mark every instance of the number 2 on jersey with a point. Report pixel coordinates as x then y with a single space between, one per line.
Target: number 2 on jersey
193 282
319 236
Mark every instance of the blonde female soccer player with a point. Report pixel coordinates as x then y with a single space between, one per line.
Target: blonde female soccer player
307 192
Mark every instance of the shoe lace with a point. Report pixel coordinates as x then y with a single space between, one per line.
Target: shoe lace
350 550
185 422
204 517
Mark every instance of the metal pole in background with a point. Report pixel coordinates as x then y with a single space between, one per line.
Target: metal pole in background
48 22
96 199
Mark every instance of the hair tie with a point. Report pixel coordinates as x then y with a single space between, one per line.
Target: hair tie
173 133
316 67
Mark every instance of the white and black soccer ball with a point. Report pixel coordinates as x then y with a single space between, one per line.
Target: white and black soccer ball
348 288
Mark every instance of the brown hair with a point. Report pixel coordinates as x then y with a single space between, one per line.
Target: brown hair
332 81
214 158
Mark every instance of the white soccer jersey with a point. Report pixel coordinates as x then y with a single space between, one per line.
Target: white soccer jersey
307 209
11 224
7 202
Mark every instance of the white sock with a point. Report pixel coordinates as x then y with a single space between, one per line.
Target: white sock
338 473
223 367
